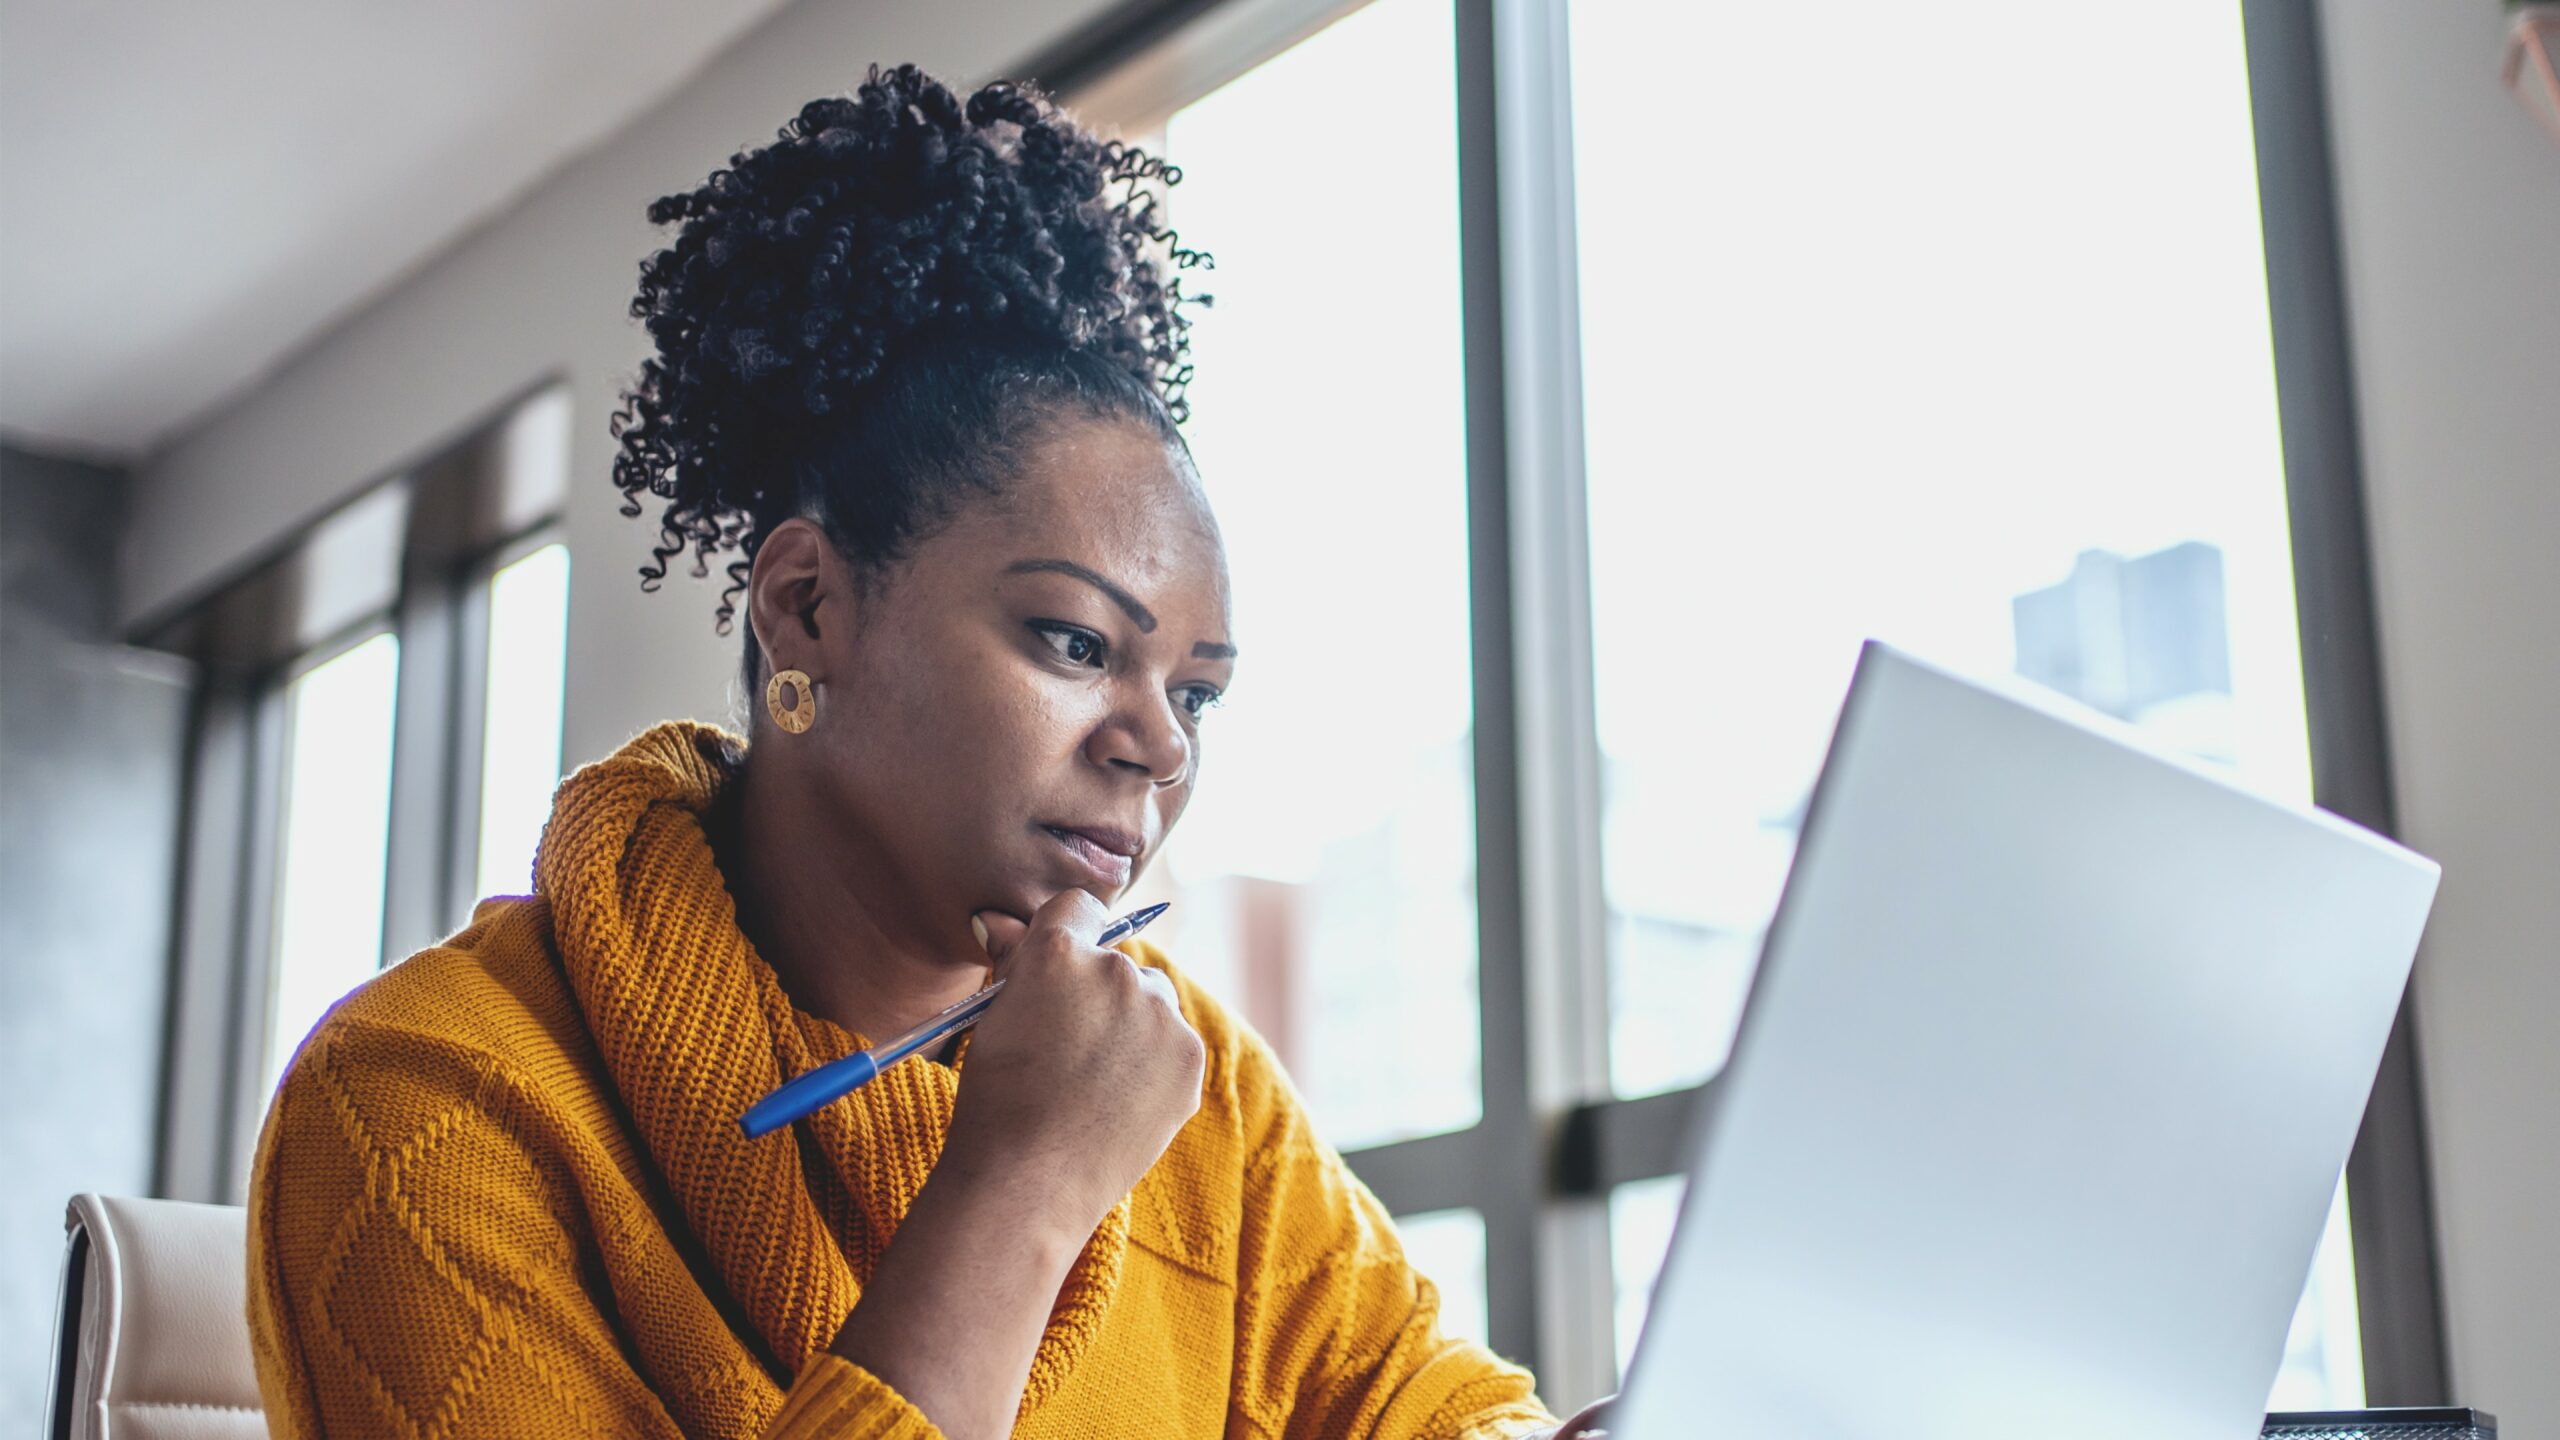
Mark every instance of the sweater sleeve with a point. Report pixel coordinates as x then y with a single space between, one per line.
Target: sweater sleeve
1336 1333
835 1399
409 1271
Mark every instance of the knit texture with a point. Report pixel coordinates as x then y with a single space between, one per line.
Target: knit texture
502 1191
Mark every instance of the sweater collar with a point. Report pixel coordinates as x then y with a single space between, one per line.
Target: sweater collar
693 1027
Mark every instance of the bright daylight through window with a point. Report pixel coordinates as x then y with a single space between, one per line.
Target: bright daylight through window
520 736
1895 325
1326 870
336 806
335 837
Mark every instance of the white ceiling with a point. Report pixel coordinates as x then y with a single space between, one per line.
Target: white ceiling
189 191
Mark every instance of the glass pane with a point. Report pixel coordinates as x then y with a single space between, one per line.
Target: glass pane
1326 871
1640 1217
2324 1351
1999 393
1448 1246
1936 340
337 822
520 728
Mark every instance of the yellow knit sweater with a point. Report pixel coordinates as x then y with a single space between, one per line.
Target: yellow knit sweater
502 1191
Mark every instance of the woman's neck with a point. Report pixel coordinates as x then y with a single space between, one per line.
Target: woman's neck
799 904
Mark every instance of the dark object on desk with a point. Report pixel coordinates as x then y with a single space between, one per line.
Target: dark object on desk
2435 1423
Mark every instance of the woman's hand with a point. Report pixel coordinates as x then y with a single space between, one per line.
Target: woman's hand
1077 1079
1081 1072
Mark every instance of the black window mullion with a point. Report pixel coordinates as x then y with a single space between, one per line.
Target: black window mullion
1563 906
1610 1143
1506 1180
426 766
467 704
208 962
252 995
2390 1208
1435 1172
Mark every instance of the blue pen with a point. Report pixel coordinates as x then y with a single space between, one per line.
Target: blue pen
838 1078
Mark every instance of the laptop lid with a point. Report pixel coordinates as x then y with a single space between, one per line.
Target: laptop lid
2054 1053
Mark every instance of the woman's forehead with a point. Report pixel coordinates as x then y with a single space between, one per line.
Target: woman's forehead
1112 485
1109 495
1111 466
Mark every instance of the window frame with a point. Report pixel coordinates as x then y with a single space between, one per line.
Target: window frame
440 744
262 865
1542 940
2399 1293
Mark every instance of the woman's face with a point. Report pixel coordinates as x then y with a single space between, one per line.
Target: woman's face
1015 709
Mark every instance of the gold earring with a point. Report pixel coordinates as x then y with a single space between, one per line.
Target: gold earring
804 710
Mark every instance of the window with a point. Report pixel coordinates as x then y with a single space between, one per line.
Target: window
1782 329
335 866
2324 1349
377 735
341 741
1641 1213
528 660
1448 1247
1999 393
2042 438
337 812
1357 909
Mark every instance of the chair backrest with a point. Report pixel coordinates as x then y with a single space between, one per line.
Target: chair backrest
154 1343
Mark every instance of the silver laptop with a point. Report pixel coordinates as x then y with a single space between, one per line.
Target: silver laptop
2056 1049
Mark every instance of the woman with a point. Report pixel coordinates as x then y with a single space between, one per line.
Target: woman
916 362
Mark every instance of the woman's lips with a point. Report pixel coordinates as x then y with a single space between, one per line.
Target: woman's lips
1106 864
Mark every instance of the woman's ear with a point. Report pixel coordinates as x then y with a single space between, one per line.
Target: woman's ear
796 573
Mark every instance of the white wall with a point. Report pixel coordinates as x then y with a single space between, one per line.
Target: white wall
2450 211
542 291
91 740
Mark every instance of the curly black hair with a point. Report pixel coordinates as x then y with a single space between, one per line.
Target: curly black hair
863 321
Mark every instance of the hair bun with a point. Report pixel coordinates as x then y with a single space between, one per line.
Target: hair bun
874 222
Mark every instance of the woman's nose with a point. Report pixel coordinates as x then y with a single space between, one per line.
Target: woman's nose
1144 737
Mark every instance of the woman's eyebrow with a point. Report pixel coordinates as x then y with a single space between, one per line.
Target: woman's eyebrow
1144 618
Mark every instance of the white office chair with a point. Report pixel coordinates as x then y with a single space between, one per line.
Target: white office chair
154 1341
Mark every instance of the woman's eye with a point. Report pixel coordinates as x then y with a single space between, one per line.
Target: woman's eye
1196 699
1074 644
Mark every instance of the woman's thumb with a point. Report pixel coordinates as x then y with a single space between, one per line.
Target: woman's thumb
998 932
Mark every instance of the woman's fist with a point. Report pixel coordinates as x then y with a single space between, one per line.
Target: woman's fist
1081 1071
